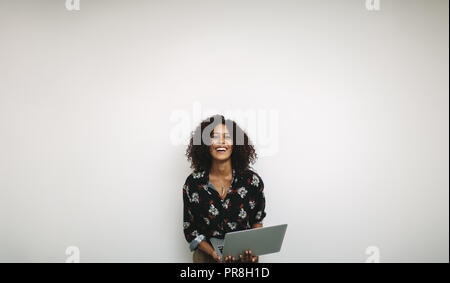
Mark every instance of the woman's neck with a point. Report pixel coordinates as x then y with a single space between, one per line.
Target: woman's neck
221 168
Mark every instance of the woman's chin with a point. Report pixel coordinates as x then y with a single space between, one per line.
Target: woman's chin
221 158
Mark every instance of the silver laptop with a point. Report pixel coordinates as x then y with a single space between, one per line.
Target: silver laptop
260 241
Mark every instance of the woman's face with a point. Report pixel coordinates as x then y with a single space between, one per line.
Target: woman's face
221 143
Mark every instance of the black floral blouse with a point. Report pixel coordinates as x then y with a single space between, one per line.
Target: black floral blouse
206 215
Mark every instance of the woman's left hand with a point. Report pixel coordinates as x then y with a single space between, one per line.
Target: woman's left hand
248 257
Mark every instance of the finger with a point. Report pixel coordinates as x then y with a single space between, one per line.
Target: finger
254 258
248 257
241 258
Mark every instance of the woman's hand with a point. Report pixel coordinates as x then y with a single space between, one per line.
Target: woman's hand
216 257
246 257
229 259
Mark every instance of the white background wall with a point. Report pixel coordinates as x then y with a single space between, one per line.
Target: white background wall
86 99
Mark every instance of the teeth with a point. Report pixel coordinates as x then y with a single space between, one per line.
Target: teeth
221 149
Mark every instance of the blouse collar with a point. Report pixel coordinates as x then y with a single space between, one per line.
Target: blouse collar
233 178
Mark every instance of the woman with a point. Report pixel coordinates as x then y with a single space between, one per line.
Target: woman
222 194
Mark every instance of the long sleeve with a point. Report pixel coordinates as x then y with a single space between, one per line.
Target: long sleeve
258 213
190 229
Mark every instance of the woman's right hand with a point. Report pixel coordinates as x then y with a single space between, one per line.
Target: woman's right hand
229 259
216 257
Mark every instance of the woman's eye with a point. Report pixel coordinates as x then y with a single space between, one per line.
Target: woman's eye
216 137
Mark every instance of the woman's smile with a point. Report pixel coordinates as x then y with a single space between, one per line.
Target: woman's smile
221 149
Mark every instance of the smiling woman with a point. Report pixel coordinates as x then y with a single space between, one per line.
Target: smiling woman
222 194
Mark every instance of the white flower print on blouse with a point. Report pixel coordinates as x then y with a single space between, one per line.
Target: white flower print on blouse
255 180
242 192
242 213
226 203
186 225
251 204
199 238
206 188
194 198
232 225
258 215
194 233
186 189
197 175
213 210
216 233
206 220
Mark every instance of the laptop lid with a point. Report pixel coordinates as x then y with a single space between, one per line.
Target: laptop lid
260 241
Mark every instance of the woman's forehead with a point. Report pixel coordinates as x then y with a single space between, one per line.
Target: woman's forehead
220 128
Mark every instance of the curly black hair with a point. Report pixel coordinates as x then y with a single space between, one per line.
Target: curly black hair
242 155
